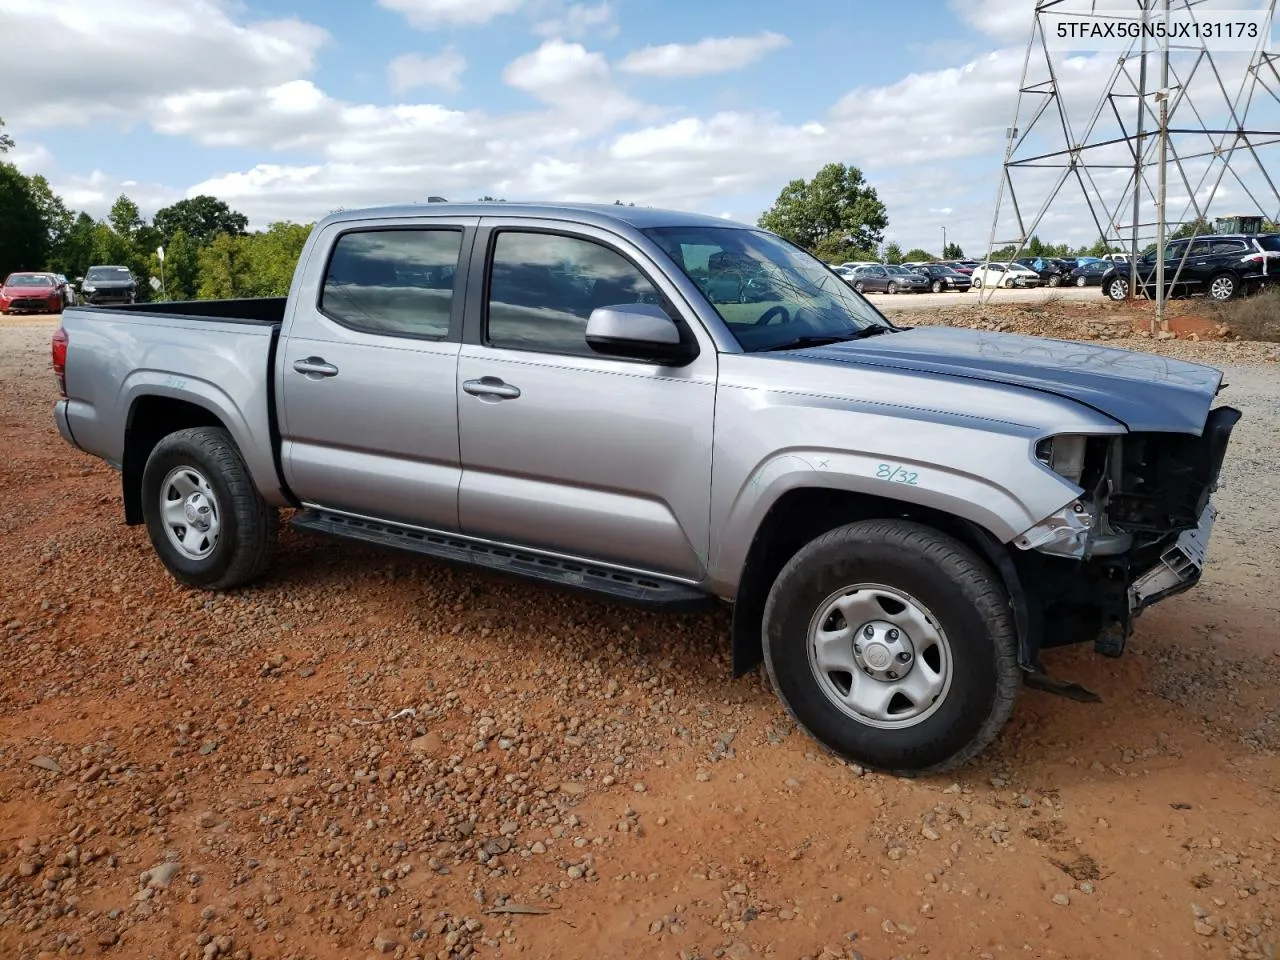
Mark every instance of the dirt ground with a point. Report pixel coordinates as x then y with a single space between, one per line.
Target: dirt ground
371 755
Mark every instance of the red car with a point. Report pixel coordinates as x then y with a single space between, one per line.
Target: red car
37 292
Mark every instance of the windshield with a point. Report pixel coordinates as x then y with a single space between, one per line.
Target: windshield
768 292
29 280
901 270
108 273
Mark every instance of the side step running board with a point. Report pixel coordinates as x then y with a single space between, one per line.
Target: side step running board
528 564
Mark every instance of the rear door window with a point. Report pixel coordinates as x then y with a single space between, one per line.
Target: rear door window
395 282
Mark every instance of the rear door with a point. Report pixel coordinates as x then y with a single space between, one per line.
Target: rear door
368 401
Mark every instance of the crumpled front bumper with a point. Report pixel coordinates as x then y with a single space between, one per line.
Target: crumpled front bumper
1180 565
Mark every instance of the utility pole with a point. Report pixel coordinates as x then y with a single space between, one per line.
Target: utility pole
1163 97
1137 158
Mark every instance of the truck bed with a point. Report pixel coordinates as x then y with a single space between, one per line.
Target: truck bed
266 310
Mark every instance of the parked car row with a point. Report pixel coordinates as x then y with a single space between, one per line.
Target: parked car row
42 292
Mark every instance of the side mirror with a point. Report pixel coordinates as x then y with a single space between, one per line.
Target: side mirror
637 331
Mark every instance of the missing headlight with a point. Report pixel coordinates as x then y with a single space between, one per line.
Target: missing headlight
1064 455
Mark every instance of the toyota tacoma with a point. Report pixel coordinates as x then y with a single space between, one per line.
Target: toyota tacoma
902 518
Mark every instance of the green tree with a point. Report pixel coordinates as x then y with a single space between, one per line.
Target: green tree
201 218
125 218
892 253
76 255
6 141
273 257
58 220
24 235
915 253
109 247
952 251
181 268
836 210
224 268
1198 227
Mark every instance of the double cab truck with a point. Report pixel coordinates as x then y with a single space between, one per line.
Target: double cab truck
902 518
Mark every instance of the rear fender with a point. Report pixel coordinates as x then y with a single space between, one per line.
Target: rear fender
253 440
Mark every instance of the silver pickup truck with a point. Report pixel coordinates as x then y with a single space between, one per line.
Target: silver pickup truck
671 409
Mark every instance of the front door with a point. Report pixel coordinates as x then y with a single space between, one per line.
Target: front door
566 450
368 411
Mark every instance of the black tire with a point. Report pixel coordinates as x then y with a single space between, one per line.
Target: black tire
892 287
858 286
1082 281
1117 288
976 283
1055 280
247 539
970 606
1223 287
936 286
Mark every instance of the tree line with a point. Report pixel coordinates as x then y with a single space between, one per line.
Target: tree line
209 252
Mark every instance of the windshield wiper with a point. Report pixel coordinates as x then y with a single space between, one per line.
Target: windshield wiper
800 343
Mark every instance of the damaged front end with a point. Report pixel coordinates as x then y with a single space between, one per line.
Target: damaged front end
1136 535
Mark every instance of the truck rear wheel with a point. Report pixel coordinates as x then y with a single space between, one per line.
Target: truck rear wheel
893 646
206 519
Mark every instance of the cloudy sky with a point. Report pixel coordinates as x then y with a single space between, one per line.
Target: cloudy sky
288 109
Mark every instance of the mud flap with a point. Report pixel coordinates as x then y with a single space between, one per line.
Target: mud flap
1039 680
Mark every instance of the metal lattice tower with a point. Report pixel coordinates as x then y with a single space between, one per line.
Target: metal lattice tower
1172 114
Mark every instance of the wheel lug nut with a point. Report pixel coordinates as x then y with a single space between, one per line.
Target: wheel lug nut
903 657
893 634
869 632
891 675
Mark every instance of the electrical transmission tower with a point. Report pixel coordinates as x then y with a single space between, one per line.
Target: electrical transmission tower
1172 127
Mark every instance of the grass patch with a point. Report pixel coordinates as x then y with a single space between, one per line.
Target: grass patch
1251 318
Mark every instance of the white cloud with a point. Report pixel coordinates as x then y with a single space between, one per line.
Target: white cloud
430 14
411 71
181 45
579 20
930 142
712 55
571 79
1008 21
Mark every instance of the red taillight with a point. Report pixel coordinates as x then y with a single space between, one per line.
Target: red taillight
60 359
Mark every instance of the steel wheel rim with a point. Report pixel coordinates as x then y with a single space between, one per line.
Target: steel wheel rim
1222 288
190 513
1080 281
879 656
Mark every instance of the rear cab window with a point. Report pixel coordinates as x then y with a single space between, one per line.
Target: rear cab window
393 281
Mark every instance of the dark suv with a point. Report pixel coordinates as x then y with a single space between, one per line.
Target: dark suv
1222 267
942 277
1053 270
108 284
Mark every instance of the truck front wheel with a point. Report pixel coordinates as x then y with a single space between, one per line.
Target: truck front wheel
893 645
205 517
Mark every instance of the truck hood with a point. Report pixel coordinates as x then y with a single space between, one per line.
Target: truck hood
1143 391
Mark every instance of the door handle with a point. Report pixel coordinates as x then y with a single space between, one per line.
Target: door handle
491 387
315 368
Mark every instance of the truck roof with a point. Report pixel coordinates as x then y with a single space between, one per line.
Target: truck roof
601 214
